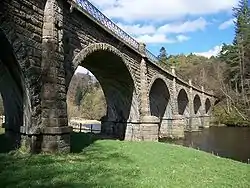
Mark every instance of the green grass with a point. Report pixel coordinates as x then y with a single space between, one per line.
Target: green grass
110 163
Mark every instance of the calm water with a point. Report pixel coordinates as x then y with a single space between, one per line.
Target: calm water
229 142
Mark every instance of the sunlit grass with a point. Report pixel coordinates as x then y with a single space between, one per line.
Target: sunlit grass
2 130
110 163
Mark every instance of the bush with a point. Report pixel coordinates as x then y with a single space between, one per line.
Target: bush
232 118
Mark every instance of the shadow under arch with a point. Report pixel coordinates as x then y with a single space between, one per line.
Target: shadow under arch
109 67
14 93
207 106
182 102
197 104
159 101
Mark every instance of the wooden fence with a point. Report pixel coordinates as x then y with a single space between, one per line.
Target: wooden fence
79 127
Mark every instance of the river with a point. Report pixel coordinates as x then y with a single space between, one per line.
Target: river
229 142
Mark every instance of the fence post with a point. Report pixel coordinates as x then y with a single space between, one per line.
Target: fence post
91 128
80 127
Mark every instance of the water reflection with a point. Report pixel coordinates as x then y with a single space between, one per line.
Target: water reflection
229 142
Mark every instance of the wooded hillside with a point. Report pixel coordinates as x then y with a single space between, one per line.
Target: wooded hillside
227 74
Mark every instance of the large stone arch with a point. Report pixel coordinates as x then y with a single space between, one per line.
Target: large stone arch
197 105
13 88
197 118
207 106
159 98
160 103
182 103
110 68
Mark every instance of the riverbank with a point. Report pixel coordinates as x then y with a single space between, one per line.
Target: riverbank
111 163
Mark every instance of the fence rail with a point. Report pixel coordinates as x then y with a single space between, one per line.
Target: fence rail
82 128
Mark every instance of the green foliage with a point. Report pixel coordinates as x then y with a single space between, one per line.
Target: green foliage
115 164
93 105
85 98
232 118
1 106
229 55
78 96
242 45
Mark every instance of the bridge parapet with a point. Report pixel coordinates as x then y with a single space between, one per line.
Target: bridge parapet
102 19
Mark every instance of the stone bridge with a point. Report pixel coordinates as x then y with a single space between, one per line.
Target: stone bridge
42 44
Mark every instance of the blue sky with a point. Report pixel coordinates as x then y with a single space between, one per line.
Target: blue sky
181 26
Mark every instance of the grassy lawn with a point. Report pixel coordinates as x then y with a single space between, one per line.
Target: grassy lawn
110 163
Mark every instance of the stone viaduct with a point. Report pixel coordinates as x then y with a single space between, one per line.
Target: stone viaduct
43 42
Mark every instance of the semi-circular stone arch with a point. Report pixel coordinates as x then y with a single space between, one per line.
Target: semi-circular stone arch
197 104
182 102
160 106
159 98
207 106
99 47
109 67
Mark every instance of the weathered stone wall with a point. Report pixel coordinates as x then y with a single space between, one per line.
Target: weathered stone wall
83 40
81 31
21 23
48 39
193 115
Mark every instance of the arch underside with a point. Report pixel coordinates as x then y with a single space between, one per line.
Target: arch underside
118 87
159 99
197 121
11 88
207 106
197 105
160 105
182 104
183 101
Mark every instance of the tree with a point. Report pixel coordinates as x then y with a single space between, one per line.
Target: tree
78 96
163 57
229 55
242 44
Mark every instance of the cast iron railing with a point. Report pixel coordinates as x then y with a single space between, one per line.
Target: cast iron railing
101 18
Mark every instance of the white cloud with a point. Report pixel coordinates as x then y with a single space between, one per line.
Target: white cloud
140 10
227 24
137 29
152 34
188 26
212 52
164 21
156 38
182 38
172 27
161 38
